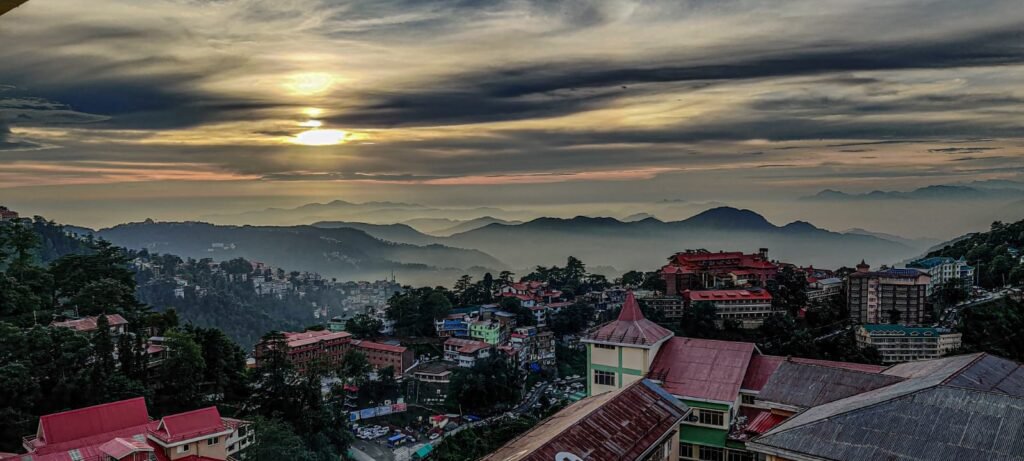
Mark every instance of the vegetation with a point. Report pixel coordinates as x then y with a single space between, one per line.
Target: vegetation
994 254
571 320
491 385
571 280
477 442
995 327
415 311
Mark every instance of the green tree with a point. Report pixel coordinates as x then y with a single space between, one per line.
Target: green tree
699 320
490 385
363 326
180 375
355 367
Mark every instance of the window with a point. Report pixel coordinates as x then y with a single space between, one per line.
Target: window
212 440
740 456
183 448
748 399
605 378
687 451
711 453
604 346
75 455
711 417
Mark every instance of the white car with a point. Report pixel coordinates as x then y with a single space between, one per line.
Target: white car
434 436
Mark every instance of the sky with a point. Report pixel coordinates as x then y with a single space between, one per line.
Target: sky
116 110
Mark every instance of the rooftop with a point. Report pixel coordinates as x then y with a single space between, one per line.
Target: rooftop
312 337
379 346
905 330
89 323
726 295
622 424
703 369
631 328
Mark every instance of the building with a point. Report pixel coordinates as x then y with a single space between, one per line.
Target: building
489 331
956 408
431 382
621 352
240 439
636 423
7 214
898 343
465 352
896 296
944 269
382 355
330 347
821 290
123 431
702 269
748 307
118 325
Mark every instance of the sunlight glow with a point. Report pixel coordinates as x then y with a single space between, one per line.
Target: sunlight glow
312 124
310 83
320 137
313 112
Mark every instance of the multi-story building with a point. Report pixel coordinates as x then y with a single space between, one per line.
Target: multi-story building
123 431
896 296
898 343
745 405
944 269
330 347
749 307
489 331
432 381
702 269
465 352
820 290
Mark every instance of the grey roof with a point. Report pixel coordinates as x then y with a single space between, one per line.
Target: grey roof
968 407
807 385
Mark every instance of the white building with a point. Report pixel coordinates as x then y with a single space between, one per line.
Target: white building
898 343
944 269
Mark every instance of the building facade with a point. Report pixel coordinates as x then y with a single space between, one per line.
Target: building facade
702 269
330 347
899 343
893 296
748 307
944 269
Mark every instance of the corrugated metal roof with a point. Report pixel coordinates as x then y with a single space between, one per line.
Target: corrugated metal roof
760 369
98 419
702 369
631 327
619 425
966 407
806 385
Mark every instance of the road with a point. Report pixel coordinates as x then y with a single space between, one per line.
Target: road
369 450
949 319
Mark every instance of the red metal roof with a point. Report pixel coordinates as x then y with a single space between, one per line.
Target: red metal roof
631 327
313 337
119 447
702 369
91 421
726 295
760 369
763 422
89 323
191 424
618 425
380 346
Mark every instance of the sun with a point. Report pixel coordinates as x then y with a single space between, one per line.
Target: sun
320 137
310 83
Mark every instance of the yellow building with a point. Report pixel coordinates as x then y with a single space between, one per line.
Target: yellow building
622 351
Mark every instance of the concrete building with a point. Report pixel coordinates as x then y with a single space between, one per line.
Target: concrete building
636 423
944 269
702 269
749 307
899 343
621 352
330 347
432 381
896 296
492 332
821 290
465 352
123 431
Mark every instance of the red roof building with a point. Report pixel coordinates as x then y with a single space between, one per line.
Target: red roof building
87 324
748 307
699 269
630 328
123 431
331 347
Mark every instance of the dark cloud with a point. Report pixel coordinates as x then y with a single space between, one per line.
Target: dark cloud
552 89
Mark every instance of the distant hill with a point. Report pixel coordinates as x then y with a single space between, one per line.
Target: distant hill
340 210
429 225
466 226
921 243
936 192
646 243
398 233
637 217
344 253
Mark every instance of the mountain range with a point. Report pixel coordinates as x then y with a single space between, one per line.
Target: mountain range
976 191
351 250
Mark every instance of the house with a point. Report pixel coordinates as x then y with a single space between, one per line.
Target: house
117 324
123 431
748 307
897 296
465 352
898 343
432 381
820 290
637 422
489 331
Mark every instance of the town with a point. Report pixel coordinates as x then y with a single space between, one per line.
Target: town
714 356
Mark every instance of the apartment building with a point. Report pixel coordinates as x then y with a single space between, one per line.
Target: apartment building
748 307
893 296
944 269
702 269
898 343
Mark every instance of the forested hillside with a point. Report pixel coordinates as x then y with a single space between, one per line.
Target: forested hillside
995 254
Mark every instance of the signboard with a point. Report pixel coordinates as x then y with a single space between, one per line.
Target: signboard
382 410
